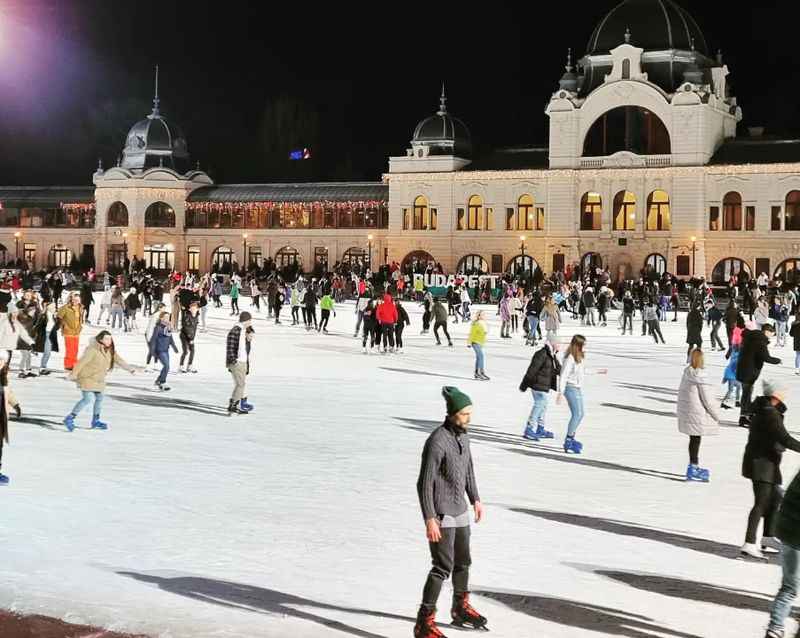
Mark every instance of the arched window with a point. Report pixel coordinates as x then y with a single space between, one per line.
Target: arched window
658 211
287 256
159 215
475 213
354 256
655 263
193 258
222 258
526 219
627 128
418 261
590 262
159 257
472 265
59 257
789 271
726 268
626 69
625 211
420 213
522 264
732 212
792 212
591 211
117 214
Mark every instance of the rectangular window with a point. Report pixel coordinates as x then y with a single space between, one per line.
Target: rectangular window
254 257
510 219
762 266
460 220
683 265
193 258
750 218
591 215
558 262
732 217
497 262
713 218
489 219
776 218
421 217
434 218
540 218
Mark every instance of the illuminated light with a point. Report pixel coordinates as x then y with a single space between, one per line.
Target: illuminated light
694 238
522 237
369 237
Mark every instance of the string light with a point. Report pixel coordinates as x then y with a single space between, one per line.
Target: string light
78 208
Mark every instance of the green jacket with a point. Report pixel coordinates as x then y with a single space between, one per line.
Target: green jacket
789 517
326 303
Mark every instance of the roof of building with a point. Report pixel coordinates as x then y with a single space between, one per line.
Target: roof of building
45 196
307 192
444 133
757 151
507 159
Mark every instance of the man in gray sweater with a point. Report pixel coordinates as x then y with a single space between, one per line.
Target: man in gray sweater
445 476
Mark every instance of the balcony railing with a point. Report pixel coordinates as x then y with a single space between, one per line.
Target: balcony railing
627 160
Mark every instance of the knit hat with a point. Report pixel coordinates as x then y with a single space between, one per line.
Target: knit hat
245 316
456 399
774 388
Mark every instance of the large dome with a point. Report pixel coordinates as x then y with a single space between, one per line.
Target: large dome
443 134
155 141
656 25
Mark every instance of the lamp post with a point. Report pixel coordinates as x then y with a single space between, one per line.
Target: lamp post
694 255
125 247
244 252
522 250
16 244
369 254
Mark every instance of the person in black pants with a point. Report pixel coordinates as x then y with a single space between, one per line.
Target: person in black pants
310 308
762 465
188 333
715 317
402 322
694 330
440 317
753 354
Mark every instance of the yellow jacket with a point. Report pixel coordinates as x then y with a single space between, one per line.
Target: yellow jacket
71 320
477 333
93 366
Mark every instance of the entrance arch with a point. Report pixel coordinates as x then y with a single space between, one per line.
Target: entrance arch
472 265
590 262
728 267
788 271
522 264
656 263
287 256
417 260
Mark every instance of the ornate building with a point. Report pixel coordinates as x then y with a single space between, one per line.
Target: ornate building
643 169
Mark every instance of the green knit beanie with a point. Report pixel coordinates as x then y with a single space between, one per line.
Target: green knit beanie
456 399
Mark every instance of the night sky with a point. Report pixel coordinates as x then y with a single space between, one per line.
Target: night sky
350 82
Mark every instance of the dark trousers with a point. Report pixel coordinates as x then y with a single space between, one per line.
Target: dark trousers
256 301
627 322
694 450
426 321
187 347
323 323
163 358
715 340
443 326
277 314
295 314
234 305
398 334
449 556
387 330
655 330
767 499
311 313
747 400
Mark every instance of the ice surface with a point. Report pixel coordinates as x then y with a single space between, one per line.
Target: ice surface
301 519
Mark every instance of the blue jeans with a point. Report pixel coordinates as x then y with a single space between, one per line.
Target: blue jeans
117 313
48 349
533 323
781 332
574 398
540 401
163 358
86 399
479 360
734 388
797 359
782 606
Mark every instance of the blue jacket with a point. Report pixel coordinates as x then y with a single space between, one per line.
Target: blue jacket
162 340
730 371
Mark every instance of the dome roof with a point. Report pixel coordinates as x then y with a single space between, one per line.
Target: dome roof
443 133
656 25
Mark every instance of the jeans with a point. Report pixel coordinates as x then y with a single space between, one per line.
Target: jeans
203 313
25 361
163 358
574 398
450 555
590 317
782 606
781 332
48 349
734 388
533 324
115 314
540 401
86 399
797 359
479 359
360 314
465 310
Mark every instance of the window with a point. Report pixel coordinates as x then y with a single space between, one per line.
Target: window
406 219
658 213
461 222
683 266
475 213
626 69
656 263
497 263
540 218
116 256
713 218
161 215
159 257
511 221
420 213
472 265
489 219
732 212
789 271
522 264
727 268
254 257
792 213
30 255
776 218
559 262
353 256
193 258
434 218
627 128
60 257
591 211
222 259
117 214
287 256
625 211
526 219
762 266
321 256
417 261
750 218
590 262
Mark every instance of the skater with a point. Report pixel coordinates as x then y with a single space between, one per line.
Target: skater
71 320
650 318
160 343
589 302
387 316
570 386
752 357
794 332
715 317
551 318
105 306
295 302
505 316
310 308
132 306
729 376
440 321
427 302
541 377
477 341
694 330
255 296
117 308
628 308
402 322
4 404
46 336
370 326
90 373
446 474
696 416
766 442
188 333
237 360
234 297
28 315
279 299
361 305
327 307
532 311
87 299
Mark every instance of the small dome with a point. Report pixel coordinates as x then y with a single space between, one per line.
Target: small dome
443 133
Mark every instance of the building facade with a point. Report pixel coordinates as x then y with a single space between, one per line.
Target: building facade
643 170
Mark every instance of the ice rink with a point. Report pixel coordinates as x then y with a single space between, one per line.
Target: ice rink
301 519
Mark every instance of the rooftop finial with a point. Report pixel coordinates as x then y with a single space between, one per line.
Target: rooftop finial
569 60
442 102
627 35
692 44
99 164
719 57
198 165
155 98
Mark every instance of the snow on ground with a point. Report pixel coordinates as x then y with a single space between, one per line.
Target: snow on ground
301 519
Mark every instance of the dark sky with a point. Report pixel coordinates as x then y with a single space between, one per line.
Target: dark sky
74 75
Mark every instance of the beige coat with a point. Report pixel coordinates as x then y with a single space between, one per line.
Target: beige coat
91 370
696 413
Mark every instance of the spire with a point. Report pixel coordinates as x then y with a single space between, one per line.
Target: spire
719 57
569 61
100 165
692 44
155 98
627 36
442 103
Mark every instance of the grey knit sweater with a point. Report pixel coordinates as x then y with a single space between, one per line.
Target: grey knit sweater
446 473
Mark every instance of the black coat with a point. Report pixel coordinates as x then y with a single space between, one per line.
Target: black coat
188 325
40 328
694 327
731 317
752 356
543 371
794 331
766 443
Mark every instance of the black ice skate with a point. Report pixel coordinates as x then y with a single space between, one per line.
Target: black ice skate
464 615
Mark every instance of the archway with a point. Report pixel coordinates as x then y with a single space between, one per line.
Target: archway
655 263
287 256
472 265
159 215
590 262
627 128
117 215
522 264
417 260
727 268
354 255
159 257
222 259
788 271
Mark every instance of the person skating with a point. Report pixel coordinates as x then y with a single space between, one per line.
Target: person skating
234 297
446 474
551 318
189 321
628 308
295 303
132 307
327 307
694 330
387 317
160 344
440 322
402 322
752 357
310 308
573 371
650 318
696 415
732 316
87 299
533 310
427 302
46 336
505 315
4 404
90 373
729 376
237 361
766 443
28 314
477 340
541 377
370 326
71 320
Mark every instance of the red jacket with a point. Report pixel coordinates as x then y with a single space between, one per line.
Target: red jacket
387 311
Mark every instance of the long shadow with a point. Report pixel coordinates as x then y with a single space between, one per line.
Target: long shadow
671 415
259 600
32 420
648 388
425 374
174 404
572 613
660 400
622 528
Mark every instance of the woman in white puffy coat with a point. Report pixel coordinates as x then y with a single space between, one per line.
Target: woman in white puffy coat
696 414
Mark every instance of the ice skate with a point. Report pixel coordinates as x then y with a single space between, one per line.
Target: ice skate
244 406
530 433
544 434
233 408
697 474
770 545
69 421
426 624
483 375
774 633
571 445
750 551
161 387
4 480
464 615
97 424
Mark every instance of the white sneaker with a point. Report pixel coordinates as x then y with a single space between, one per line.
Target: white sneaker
182 370
193 370
751 550
770 545
364 350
